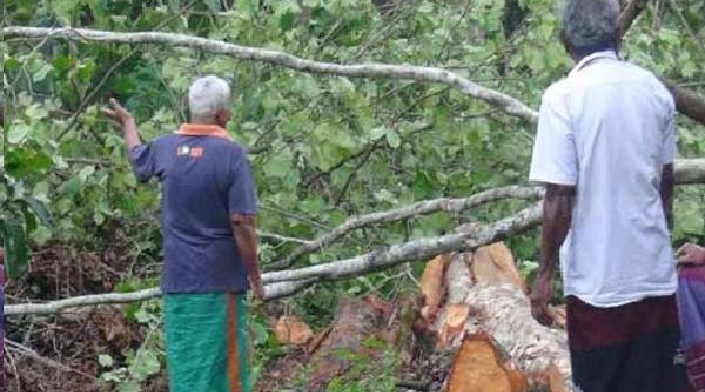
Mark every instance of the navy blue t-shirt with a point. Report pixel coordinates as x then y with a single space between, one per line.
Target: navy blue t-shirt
204 180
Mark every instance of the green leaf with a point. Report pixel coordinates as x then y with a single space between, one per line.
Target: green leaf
17 133
393 139
86 172
37 112
40 210
213 5
42 73
15 244
23 161
105 361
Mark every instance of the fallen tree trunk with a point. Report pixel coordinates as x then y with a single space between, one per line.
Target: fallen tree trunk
502 311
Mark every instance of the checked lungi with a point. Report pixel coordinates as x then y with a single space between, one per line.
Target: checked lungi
206 344
691 307
629 348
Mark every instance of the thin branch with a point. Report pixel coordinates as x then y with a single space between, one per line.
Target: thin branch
88 98
282 238
414 250
629 14
294 216
374 71
414 210
687 26
28 352
88 161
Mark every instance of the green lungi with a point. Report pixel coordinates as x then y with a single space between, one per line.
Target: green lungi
206 345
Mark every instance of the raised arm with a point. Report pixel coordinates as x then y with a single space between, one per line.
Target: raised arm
244 231
557 216
126 121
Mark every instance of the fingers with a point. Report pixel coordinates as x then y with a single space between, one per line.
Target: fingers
683 249
687 258
542 315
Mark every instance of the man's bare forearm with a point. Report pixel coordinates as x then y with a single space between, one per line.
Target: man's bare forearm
244 231
129 133
557 216
667 180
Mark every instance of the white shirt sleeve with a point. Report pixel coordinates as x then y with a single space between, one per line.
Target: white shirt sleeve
670 141
554 159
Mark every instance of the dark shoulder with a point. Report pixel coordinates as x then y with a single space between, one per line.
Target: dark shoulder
232 148
164 140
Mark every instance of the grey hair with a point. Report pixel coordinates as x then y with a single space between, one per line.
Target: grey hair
588 24
206 97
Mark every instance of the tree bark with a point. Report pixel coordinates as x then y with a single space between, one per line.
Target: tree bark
503 312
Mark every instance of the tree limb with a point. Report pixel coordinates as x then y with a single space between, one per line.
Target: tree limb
416 209
629 14
374 71
272 291
689 171
688 103
413 250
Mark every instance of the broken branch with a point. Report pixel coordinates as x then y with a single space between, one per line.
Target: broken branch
507 103
413 210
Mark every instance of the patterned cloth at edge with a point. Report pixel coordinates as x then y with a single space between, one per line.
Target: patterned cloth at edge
691 307
2 321
206 342
629 348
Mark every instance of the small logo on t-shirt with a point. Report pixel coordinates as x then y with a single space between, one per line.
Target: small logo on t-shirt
193 152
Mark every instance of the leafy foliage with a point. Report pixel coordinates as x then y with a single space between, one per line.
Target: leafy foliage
323 148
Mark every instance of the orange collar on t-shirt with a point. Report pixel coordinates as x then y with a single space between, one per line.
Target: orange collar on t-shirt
193 129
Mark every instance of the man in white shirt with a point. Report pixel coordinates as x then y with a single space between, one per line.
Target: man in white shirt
604 150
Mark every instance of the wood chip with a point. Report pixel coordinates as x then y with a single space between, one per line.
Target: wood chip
291 330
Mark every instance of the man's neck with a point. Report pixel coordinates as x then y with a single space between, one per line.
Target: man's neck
207 123
580 55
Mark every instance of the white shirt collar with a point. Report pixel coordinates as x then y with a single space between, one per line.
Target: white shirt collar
608 54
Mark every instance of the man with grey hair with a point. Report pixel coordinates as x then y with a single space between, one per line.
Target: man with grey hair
208 230
604 150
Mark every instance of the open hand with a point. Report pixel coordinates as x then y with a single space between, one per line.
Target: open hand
540 299
117 113
691 254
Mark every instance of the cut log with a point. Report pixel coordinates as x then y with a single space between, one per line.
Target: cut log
479 367
502 311
356 321
291 330
494 265
432 288
505 314
454 319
